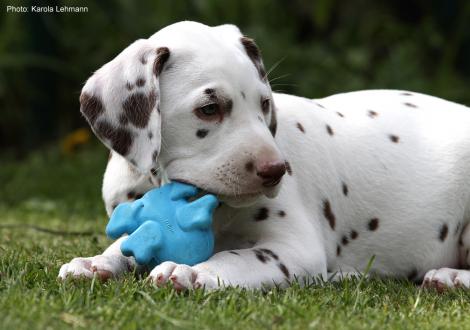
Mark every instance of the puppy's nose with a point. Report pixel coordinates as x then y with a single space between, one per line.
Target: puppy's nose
271 172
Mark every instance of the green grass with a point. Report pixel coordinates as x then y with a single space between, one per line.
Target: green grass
63 193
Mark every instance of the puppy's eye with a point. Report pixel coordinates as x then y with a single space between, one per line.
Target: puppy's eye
209 112
265 105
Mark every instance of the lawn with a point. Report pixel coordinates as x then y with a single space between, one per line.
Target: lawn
62 193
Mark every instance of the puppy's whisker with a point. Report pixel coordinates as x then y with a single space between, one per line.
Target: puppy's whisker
275 65
280 91
279 77
284 85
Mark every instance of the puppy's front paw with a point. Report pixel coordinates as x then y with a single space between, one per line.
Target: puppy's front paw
104 267
447 278
182 277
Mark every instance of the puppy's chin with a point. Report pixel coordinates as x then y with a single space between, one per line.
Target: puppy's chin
273 191
238 202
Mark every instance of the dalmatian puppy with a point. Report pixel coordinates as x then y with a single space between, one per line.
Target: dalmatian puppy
310 187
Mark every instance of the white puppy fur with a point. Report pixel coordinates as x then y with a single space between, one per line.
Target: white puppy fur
381 173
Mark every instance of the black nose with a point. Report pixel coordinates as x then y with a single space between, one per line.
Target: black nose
271 172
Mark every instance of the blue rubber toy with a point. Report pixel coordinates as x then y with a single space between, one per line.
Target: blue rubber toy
164 225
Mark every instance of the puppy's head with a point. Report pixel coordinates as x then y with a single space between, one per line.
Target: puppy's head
193 101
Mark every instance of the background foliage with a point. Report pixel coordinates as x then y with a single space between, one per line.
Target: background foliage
325 47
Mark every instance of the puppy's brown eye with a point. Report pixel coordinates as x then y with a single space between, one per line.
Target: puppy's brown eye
209 112
265 105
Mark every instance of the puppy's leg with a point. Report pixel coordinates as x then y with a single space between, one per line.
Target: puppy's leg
110 264
281 257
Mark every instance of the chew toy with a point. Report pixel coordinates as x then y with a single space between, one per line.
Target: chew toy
166 224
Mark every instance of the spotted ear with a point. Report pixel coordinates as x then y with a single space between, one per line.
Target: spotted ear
254 54
121 103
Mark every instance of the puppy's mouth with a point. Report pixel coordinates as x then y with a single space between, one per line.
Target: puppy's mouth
222 196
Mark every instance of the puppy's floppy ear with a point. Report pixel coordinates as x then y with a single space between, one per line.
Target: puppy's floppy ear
254 54
121 103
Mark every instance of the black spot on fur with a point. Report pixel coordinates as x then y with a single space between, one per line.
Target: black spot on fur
328 213
281 214
262 214
345 188
154 171
340 114
284 269
443 232
270 253
411 105
394 138
261 257
201 133
243 95
344 240
288 168
138 106
329 130
406 94
338 250
163 53
318 104
249 166
373 224
129 86
233 252
209 91
154 155
300 127
91 107
372 114
354 234
119 138
150 135
140 82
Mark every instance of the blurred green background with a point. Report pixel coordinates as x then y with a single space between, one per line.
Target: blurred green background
325 47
